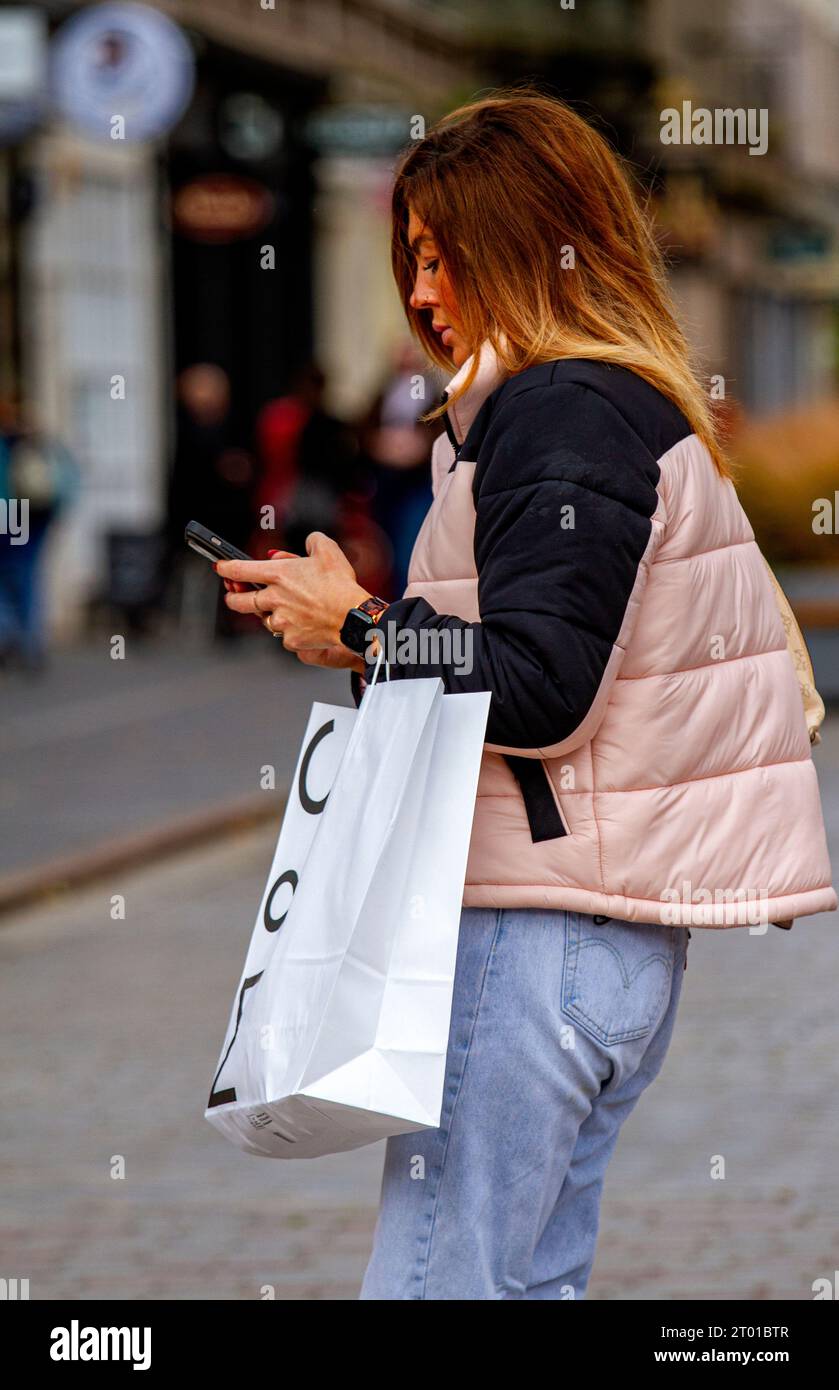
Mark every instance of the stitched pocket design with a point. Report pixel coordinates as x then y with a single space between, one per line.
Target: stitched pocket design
616 976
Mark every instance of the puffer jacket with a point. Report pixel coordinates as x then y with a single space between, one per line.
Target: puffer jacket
647 754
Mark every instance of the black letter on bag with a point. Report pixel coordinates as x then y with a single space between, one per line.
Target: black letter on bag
288 877
313 807
225 1097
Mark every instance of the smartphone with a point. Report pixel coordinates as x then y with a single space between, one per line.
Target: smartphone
213 548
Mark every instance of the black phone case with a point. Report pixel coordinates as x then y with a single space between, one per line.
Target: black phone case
213 547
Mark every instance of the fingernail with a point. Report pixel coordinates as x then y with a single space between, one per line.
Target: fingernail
272 553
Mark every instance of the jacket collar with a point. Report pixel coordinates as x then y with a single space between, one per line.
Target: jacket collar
458 418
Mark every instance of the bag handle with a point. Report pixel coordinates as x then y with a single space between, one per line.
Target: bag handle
378 666
364 702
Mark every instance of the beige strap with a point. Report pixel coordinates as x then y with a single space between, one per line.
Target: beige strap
813 703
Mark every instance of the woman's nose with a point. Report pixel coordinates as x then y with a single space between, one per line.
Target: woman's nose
421 297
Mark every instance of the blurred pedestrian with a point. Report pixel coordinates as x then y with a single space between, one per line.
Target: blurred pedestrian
213 475
398 446
308 461
314 477
39 478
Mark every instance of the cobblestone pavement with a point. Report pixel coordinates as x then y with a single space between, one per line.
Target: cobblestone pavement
96 748
110 1033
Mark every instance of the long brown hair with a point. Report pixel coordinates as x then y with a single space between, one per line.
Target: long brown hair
546 245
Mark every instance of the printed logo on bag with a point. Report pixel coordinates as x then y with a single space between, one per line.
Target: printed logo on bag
306 801
274 923
275 911
334 1077
314 806
225 1097
260 1120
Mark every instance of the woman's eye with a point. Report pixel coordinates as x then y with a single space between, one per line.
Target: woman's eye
432 266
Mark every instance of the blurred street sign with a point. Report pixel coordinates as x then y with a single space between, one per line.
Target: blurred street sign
122 60
793 243
23 50
249 127
370 128
220 208
22 53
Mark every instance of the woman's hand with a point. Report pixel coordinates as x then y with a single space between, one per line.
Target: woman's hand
306 598
233 587
338 658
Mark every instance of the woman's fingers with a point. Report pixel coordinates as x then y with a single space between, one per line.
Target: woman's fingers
242 601
230 584
250 571
338 658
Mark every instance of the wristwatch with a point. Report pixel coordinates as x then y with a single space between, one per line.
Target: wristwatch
358 623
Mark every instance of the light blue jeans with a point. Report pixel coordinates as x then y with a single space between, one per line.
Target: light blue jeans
559 1022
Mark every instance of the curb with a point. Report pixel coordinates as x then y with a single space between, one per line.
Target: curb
26 886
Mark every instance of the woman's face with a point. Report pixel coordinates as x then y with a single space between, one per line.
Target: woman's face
434 292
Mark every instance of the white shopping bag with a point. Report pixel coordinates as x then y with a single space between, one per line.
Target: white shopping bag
339 1029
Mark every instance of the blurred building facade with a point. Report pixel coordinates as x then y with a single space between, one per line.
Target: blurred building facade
254 235
753 240
132 260
756 237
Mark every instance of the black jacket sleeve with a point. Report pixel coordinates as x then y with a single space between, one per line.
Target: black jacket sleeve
564 494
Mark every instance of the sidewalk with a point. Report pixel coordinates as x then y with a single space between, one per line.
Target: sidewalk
97 750
111 1031
108 763
110 1035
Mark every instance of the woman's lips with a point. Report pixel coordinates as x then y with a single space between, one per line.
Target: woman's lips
446 337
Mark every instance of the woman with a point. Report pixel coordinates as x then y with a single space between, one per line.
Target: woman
647 765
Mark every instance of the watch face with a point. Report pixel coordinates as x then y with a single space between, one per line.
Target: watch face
373 606
355 630
358 622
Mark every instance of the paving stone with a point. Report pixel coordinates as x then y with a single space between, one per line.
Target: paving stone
110 1033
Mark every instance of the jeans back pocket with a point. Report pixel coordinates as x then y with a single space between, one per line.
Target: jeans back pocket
617 976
